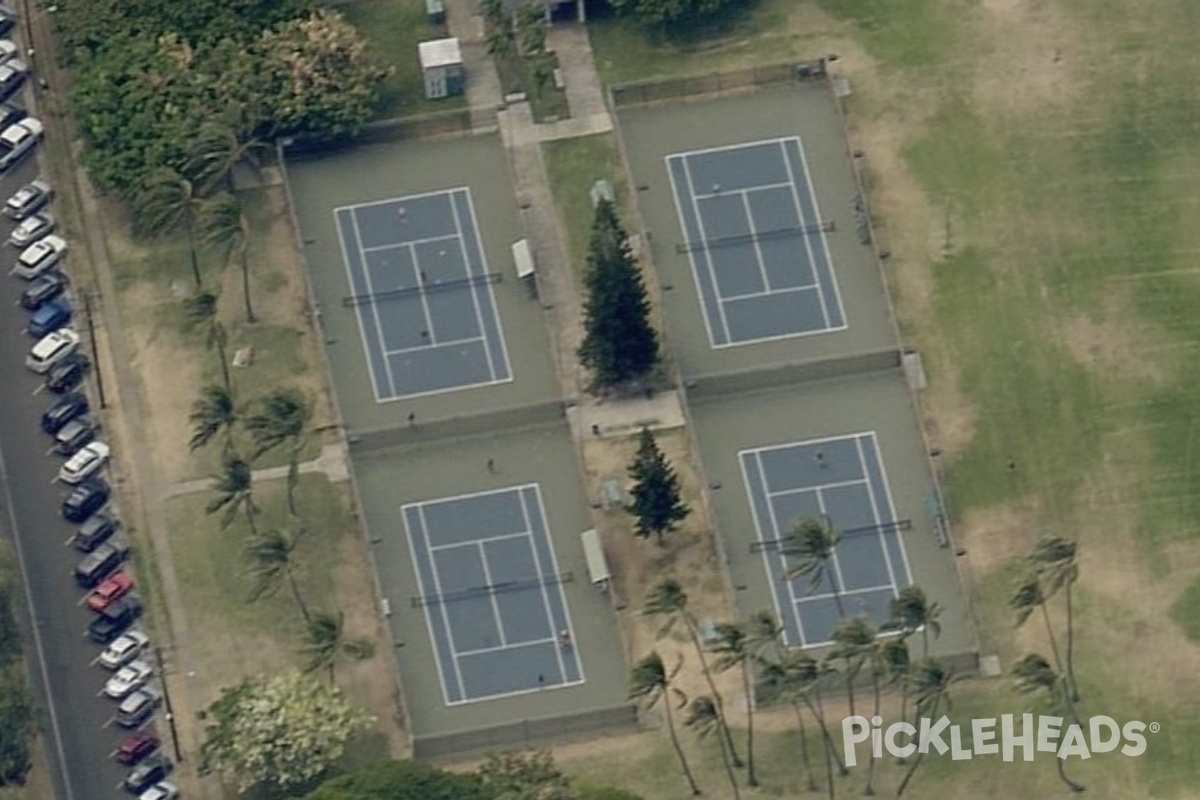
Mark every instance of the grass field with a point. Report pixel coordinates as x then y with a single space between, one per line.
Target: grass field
1035 173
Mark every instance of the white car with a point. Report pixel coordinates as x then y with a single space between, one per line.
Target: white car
126 648
85 463
8 49
28 199
20 137
51 349
163 790
32 228
128 678
40 257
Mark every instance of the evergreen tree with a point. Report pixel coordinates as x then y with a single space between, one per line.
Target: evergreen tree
619 343
656 501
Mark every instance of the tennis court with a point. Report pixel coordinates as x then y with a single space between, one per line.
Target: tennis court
492 594
421 290
756 241
840 480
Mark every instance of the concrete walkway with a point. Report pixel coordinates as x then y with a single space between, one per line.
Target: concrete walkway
331 462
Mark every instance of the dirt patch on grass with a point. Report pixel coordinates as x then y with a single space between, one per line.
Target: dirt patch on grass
1110 346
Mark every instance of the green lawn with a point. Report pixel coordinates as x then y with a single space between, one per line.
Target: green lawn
393 29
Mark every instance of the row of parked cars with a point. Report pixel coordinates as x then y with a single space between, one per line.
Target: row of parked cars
56 355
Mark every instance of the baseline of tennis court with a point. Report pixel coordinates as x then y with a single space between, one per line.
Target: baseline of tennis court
756 242
492 594
420 287
840 481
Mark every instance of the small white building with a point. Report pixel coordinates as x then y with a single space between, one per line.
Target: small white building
442 66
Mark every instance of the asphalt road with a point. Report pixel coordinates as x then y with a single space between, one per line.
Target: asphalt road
79 736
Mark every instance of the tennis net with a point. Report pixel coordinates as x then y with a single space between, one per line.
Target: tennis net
776 545
757 236
423 288
496 588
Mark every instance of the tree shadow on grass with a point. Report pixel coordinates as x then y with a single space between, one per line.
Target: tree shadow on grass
693 33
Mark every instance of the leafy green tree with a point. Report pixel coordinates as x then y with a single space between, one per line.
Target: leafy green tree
325 642
733 649
500 43
281 418
17 727
531 28
1054 563
168 201
619 345
223 224
494 12
811 545
668 601
649 682
279 730
656 496
705 718
217 151
1034 674
403 780
213 413
661 12
525 776
270 560
235 491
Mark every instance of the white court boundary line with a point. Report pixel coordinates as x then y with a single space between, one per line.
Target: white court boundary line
410 243
787 161
693 265
755 295
887 557
759 530
359 317
812 195
452 343
462 249
708 261
433 640
387 367
758 254
488 287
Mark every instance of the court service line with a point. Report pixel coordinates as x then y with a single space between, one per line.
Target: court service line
487 577
410 536
462 248
770 293
451 343
724 148
887 559
431 334
497 538
374 307
758 255
837 563
806 442
437 587
745 190
484 287
362 321
834 485
408 243
837 292
845 592
779 337
516 646
706 250
562 666
777 534
399 201
472 495
812 261
891 508
693 264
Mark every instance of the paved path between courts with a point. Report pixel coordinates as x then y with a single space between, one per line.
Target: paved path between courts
330 462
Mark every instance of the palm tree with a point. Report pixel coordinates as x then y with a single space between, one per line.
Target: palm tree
214 412
733 649
325 641
201 309
1027 598
668 600
931 684
282 417
1053 560
877 658
852 642
775 679
223 223
216 152
704 717
897 667
270 561
812 544
911 612
1034 674
235 490
166 201
649 682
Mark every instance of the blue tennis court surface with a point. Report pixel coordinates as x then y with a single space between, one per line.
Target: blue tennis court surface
422 292
842 481
756 242
492 594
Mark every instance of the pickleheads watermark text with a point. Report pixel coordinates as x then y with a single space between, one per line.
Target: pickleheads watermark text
1006 737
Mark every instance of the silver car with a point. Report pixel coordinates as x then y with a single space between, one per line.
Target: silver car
31 229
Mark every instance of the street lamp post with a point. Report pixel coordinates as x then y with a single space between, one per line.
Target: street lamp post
169 710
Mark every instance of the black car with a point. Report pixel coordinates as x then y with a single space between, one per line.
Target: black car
112 621
68 373
42 290
85 499
146 774
10 113
8 20
97 530
74 435
65 409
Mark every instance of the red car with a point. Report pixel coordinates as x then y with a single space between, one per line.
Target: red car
136 747
107 593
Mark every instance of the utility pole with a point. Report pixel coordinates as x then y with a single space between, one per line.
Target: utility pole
170 711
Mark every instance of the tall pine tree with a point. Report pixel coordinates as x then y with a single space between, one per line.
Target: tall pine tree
656 501
619 344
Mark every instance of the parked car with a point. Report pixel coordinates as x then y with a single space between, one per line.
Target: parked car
112 589
43 289
8 21
87 462
146 774
52 349
10 113
68 373
49 318
137 708
8 49
112 622
30 197
95 531
12 77
63 410
84 500
163 790
32 228
128 679
100 563
135 747
75 435
124 649
41 256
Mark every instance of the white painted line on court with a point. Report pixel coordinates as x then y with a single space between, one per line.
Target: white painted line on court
562 596
887 558
812 261
387 367
780 337
812 195
887 489
433 548
399 201
727 147
517 693
442 606
462 246
833 485
676 191
410 536
537 561
758 254
807 442
410 243
846 593
471 495
452 343
430 333
482 651
445 390
772 580
770 293
837 564
487 581
477 232
744 190
705 249
358 315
